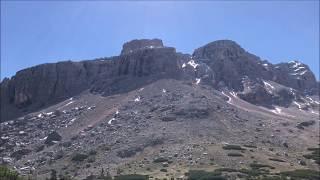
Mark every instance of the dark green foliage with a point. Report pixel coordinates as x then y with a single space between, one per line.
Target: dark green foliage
250 146
315 155
275 159
302 174
131 177
232 147
79 157
305 124
234 154
226 170
7 174
163 170
204 175
258 166
160 159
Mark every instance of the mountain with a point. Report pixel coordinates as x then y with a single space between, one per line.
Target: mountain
126 112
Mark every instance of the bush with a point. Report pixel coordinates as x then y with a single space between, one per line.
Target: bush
163 170
258 166
233 147
131 177
160 160
234 154
7 174
79 157
302 174
204 175
275 159
315 155
250 146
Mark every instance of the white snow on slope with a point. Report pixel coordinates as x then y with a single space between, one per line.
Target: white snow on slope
183 65
276 110
229 100
193 64
314 112
198 80
312 101
110 121
299 68
164 90
137 99
268 84
49 113
66 104
302 73
234 94
295 64
299 106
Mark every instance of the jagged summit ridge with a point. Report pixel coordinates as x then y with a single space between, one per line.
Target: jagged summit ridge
141 44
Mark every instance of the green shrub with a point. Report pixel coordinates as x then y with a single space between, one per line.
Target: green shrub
250 146
160 159
131 177
8 174
258 166
315 155
204 175
79 157
234 154
233 147
275 159
302 174
163 170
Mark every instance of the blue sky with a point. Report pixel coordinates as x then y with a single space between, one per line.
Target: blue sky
36 32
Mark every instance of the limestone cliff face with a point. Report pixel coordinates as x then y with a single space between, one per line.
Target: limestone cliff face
36 87
222 64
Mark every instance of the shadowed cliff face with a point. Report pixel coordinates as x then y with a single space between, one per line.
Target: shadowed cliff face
222 64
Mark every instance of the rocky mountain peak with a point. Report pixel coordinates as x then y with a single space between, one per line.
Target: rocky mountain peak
219 49
141 44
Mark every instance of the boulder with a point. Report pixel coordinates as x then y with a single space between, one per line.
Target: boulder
53 136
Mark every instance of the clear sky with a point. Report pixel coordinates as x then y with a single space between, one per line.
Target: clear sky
38 32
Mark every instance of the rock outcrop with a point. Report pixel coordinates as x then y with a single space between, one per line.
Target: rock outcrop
222 64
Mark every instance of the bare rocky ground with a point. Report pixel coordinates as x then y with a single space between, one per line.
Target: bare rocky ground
164 129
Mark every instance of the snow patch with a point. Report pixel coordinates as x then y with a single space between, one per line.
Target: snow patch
299 106
67 104
40 115
42 139
229 100
265 65
110 121
299 68
295 63
312 101
49 113
137 99
193 64
276 110
164 90
234 94
302 73
141 89
183 65
314 112
198 80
